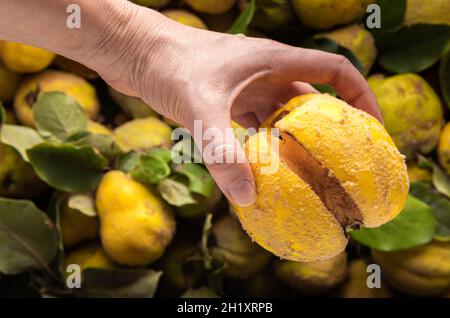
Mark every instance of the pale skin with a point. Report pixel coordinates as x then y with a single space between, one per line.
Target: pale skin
186 74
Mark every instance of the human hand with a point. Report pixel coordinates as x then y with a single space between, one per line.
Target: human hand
188 74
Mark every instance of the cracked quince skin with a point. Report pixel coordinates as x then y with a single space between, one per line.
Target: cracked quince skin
23 58
136 226
411 110
333 167
423 270
48 81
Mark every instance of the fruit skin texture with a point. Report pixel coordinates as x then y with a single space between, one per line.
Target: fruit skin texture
17 178
86 256
23 58
212 7
135 225
288 218
356 284
313 277
8 83
411 110
76 226
324 14
358 40
142 134
428 12
444 148
186 18
422 270
243 257
48 81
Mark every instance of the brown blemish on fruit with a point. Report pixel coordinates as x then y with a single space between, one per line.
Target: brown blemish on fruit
321 180
32 96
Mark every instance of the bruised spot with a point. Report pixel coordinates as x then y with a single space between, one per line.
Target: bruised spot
32 96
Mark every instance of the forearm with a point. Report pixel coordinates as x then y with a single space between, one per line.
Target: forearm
105 40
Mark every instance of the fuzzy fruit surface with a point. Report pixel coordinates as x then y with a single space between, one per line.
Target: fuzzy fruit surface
17 178
212 7
142 134
76 226
135 225
411 110
23 58
186 18
444 148
355 285
9 81
422 270
337 167
49 81
324 14
233 246
313 277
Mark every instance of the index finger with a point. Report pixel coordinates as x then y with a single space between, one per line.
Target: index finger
320 67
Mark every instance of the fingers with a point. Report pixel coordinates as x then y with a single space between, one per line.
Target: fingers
319 67
225 159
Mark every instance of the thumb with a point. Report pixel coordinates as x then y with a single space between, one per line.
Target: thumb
225 159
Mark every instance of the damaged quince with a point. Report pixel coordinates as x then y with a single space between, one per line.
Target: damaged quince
422 270
23 58
411 110
332 167
313 277
49 81
136 226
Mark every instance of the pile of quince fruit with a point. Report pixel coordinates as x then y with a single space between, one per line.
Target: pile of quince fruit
87 176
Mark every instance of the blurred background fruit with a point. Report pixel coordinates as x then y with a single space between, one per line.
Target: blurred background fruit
8 83
212 7
23 58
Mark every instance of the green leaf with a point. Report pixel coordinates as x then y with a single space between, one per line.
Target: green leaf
186 151
413 49
20 138
119 283
28 239
441 180
2 114
200 181
202 292
414 226
150 169
59 115
424 162
127 162
392 14
244 19
66 167
175 193
105 144
439 204
164 154
444 77
83 202
327 45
